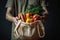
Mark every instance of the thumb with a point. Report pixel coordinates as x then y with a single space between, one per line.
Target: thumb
17 18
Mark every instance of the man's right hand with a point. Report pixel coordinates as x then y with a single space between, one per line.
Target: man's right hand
21 16
15 20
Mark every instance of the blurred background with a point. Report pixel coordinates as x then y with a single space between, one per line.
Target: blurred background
51 26
5 26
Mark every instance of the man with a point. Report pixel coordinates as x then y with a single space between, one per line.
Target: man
22 5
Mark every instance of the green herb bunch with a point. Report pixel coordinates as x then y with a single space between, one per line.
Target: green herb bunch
34 9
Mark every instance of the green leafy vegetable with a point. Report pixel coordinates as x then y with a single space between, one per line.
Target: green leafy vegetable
34 9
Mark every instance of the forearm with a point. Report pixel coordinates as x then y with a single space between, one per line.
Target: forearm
43 4
9 17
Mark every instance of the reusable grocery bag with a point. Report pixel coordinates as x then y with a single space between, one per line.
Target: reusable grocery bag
29 31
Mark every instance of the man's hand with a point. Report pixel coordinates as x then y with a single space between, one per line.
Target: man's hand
21 16
15 20
44 17
45 13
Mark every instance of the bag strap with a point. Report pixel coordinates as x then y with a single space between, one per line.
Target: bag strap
15 30
40 25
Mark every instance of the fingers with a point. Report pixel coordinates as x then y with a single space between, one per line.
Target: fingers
21 16
45 13
15 20
44 17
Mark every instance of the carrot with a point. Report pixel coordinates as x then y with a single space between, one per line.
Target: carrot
22 17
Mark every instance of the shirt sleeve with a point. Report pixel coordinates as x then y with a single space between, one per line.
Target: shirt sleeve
9 3
43 3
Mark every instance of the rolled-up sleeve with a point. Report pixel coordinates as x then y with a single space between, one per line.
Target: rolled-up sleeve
43 3
9 3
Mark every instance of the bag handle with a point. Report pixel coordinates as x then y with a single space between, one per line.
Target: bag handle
15 30
40 25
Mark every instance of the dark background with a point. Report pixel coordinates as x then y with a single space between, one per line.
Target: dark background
51 26
5 26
